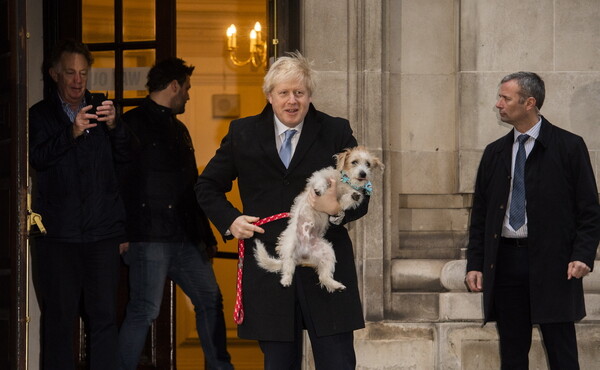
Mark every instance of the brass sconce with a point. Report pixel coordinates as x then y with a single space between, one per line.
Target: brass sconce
258 47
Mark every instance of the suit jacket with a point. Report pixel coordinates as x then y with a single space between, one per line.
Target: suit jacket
563 220
248 153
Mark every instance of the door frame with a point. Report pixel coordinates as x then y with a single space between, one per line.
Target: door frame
13 183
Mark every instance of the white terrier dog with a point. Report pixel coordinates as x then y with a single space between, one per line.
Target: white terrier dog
302 242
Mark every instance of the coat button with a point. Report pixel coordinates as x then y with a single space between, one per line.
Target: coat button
143 205
170 206
495 236
492 266
502 206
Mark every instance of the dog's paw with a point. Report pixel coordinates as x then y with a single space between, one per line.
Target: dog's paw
320 185
335 289
351 200
333 286
286 280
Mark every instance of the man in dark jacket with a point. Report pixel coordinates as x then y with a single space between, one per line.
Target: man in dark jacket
168 233
77 195
535 227
268 183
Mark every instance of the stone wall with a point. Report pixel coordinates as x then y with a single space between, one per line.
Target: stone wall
418 80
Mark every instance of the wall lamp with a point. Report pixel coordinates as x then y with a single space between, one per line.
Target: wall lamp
258 47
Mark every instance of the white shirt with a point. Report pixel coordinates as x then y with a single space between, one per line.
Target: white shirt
280 130
534 132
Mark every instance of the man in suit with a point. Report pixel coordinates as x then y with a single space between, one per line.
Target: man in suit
77 194
168 233
535 227
276 315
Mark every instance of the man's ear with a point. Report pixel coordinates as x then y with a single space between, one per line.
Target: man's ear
174 85
531 102
269 98
53 73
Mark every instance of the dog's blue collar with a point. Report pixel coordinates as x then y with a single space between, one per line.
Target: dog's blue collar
368 187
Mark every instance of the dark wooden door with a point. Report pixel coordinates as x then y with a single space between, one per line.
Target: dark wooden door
13 186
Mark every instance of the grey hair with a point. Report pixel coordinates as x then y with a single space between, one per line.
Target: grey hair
293 67
530 84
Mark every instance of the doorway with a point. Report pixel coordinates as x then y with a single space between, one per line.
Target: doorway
220 93
219 88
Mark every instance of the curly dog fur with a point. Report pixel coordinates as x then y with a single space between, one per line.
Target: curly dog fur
302 242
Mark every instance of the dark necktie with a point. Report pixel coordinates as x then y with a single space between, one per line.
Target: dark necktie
285 152
517 204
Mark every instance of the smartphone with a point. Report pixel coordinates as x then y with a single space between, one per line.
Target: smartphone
95 101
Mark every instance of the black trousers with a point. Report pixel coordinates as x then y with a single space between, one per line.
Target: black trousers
68 272
334 352
511 306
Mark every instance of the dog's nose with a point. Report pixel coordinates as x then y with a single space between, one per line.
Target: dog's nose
355 196
363 174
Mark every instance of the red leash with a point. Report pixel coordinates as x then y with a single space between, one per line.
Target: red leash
238 311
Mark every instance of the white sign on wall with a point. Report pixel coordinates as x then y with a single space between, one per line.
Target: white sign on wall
103 79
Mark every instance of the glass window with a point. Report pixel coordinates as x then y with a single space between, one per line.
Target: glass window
136 64
103 73
98 21
139 20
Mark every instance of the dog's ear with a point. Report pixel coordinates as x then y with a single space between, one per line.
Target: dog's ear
376 163
340 159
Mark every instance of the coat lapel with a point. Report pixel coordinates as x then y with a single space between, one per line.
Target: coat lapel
506 152
310 131
265 134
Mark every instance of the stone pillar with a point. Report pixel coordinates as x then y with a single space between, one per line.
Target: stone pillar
347 52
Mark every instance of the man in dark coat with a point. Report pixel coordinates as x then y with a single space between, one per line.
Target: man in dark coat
168 233
78 198
275 315
535 227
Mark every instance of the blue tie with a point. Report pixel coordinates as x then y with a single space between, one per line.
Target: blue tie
517 203
285 152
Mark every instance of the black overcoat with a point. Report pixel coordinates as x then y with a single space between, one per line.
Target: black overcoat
563 220
248 153
76 188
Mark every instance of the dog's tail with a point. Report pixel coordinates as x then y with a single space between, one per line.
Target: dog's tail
263 258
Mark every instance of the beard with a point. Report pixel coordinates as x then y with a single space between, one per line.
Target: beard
179 109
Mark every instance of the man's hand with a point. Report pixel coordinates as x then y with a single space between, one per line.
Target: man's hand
474 281
327 202
107 113
82 121
577 270
123 247
243 228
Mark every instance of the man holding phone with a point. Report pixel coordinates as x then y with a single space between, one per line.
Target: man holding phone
77 195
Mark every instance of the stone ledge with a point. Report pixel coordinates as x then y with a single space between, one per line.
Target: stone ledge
417 275
454 346
395 346
453 273
461 307
436 201
414 307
